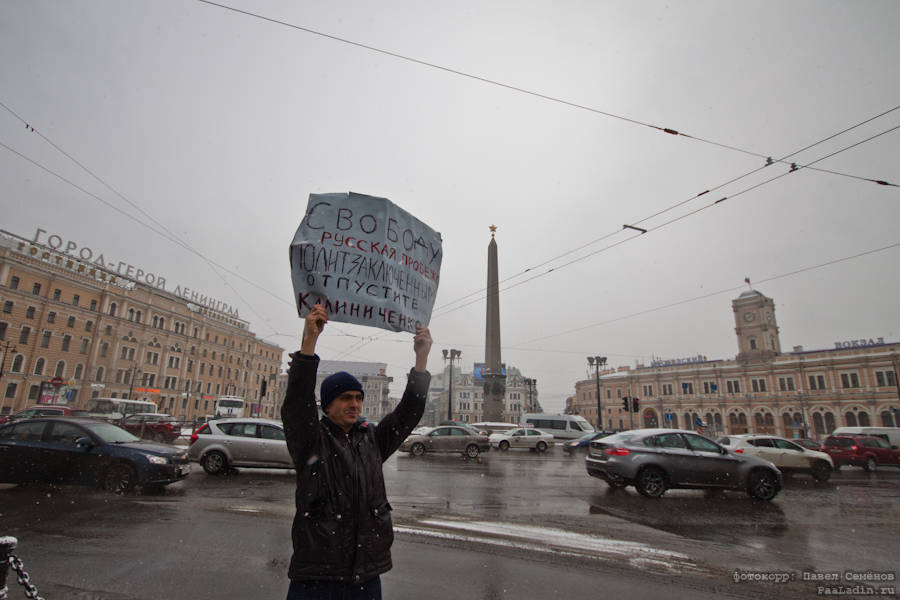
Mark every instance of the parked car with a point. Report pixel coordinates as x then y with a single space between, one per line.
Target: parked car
533 439
223 444
88 451
45 410
864 451
584 442
447 438
784 454
154 426
654 460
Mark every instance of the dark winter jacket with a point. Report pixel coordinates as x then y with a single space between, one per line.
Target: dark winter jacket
342 529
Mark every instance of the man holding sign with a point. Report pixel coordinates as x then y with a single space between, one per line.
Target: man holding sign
342 531
367 261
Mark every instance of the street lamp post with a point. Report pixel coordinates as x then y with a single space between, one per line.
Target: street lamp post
451 355
6 350
597 362
531 383
133 374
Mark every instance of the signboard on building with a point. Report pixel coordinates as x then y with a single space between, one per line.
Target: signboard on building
367 261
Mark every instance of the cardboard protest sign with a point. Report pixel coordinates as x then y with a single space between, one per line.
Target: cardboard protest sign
367 261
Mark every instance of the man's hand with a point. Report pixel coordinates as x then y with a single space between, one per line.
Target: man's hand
312 329
422 346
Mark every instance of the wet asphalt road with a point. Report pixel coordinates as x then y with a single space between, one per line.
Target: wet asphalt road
508 525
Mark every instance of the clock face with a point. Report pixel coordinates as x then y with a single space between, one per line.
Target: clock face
749 316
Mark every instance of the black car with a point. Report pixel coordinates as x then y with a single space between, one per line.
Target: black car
88 451
583 443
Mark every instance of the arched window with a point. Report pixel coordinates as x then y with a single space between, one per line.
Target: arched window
864 419
39 366
99 376
112 309
850 419
887 419
770 420
758 418
162 323
753 343
60 369
818 424
742 419
787 421
131 314
829 422
79 369
138 317
17 364
719 422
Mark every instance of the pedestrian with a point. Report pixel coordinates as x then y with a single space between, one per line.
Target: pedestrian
342 532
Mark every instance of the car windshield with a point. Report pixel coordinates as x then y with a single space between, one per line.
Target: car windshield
111 434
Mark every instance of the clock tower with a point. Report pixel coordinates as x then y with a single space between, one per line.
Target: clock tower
755 326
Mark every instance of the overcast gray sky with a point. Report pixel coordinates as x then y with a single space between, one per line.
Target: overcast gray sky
219 125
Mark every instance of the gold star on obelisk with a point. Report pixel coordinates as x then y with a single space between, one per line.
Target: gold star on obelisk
493 229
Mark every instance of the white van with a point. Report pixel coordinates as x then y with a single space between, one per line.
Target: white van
891 434
563 427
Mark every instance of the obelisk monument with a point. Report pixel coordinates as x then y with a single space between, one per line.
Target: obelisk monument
494 378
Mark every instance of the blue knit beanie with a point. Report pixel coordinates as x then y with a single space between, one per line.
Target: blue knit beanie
335 385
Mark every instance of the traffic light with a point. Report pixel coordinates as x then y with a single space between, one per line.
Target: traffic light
635 403
625 403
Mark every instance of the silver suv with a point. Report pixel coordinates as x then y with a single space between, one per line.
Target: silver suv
223 444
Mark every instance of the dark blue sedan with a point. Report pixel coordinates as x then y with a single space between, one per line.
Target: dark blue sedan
87 451
584 442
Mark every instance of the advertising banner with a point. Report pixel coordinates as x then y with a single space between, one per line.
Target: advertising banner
368 261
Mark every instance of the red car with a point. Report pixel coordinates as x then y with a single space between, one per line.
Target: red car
154 426
45 410
864 451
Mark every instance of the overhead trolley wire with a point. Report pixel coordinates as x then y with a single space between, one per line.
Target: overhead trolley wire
508 86
794 169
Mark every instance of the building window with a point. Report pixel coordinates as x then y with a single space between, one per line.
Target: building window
36 290
11 390
104 348
786 384
733 386
667 389
45 339
3 327
710 387
79 369
29 312
88 325
882 378
137 317
108 330
33 393
70 322
60 369
23 335
112 309
687 387
84 345
817 382
7 306
57 294
16 367
849 380
75 299
93 305
51 317
67 339
753 343
14 283
39 366
758 385
130 314
100 373
648 389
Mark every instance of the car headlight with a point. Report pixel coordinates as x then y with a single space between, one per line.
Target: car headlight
157 460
